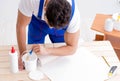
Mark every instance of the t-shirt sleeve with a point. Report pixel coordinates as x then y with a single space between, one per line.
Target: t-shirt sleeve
74 24
25 7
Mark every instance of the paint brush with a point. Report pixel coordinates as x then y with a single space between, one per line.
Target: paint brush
28 56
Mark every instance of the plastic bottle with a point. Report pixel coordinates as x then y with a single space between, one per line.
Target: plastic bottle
109 25
13 60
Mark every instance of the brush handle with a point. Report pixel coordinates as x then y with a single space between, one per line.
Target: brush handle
31 51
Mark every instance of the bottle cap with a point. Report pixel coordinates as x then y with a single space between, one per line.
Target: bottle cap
13 50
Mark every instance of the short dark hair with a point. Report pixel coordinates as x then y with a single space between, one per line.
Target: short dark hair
58 13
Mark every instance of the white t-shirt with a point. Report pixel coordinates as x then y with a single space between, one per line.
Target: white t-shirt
29 7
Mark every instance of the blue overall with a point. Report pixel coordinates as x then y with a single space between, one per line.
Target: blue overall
38 28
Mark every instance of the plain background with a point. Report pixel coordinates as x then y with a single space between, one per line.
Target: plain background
87 8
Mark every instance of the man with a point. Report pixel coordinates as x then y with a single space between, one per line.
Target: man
58 18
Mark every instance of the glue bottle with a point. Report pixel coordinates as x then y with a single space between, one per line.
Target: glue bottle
13 60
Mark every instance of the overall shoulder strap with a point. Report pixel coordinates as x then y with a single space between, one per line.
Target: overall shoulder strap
40 8
73 9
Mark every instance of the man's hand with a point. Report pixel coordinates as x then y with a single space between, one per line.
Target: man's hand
20 63
39 49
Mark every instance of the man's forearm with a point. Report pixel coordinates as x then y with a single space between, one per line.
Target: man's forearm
22 22
62 51
21 39
71 40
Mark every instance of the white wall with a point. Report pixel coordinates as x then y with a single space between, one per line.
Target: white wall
88 9
8 14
